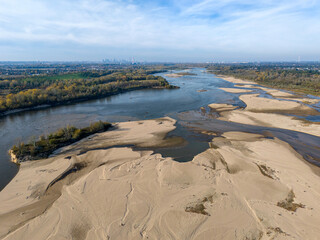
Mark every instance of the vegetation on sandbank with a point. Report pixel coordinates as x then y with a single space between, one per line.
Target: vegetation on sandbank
46 145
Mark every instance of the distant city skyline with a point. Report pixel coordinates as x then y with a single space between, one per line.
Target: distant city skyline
160 30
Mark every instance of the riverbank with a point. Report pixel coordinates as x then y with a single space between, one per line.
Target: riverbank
258 188
79 100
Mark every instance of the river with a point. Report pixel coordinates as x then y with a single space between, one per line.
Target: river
140 105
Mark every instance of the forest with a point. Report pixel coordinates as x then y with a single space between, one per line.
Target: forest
294 79
46 145
53 89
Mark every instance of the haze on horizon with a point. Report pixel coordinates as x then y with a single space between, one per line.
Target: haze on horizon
160 30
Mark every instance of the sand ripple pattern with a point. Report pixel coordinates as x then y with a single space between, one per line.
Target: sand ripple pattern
244 186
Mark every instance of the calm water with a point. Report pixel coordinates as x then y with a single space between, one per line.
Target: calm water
141 104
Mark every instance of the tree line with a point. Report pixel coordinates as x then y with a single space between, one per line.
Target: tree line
301 80
60 88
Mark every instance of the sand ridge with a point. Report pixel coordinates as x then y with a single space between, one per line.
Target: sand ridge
38 183
231 191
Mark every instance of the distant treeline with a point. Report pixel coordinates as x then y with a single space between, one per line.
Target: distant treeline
60 88
300 80
46 145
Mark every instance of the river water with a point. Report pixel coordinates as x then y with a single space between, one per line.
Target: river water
140 105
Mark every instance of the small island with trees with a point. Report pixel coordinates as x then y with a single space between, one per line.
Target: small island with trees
46 145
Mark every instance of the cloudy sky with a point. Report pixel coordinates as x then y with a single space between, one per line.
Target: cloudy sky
160 30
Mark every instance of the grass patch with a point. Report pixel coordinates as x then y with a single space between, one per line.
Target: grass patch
199 207
289 204
266 171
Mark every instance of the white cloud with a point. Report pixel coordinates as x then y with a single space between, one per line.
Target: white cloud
211 27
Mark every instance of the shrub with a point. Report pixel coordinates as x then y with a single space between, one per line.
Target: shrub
62 137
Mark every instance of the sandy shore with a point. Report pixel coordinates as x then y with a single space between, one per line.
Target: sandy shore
269 112
275 92
236 80
235 90
244 187
289 96
173 75
260 104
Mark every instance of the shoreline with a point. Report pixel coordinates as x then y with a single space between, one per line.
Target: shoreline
35 178
268 112
85 190
47 145
70 102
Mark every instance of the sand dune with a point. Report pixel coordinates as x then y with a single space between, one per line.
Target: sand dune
39 183
238 189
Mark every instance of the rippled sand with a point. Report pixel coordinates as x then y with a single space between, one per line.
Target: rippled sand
244 186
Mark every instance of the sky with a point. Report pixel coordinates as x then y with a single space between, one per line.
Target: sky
160 30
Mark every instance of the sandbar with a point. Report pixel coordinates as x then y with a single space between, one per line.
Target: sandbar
244 186
236 90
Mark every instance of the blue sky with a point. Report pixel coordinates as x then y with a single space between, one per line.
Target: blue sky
160 30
